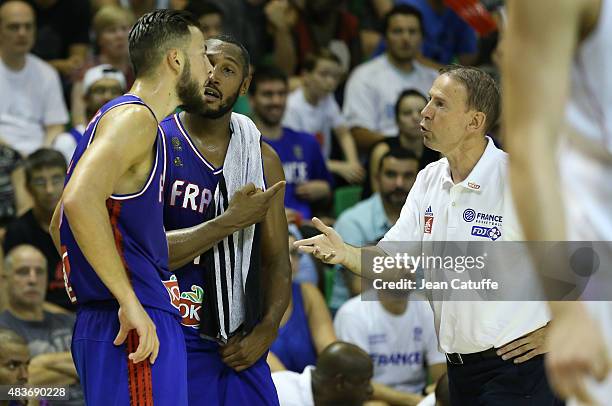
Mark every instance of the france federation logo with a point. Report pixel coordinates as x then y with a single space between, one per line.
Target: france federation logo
469 215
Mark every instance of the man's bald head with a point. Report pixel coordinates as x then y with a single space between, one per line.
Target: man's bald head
345 359
25 272
19 254
342 375
17 27
15 6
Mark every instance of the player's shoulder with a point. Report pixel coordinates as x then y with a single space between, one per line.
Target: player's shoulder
134 119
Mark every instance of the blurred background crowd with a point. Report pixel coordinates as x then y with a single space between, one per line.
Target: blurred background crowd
337 90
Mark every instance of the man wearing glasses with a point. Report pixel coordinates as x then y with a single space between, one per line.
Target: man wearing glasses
45 170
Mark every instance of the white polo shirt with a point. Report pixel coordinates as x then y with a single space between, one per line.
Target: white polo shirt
478 209
294 389
401 346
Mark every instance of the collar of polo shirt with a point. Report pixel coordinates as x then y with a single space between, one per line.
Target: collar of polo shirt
477 178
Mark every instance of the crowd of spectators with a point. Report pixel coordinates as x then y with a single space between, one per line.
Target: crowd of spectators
337 90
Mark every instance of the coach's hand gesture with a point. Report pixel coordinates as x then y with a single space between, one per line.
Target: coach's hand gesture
328 246
132 316
249 205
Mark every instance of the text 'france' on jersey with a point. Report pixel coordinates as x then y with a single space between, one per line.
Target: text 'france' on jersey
190 186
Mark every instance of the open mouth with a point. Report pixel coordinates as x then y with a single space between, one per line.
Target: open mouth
423 129
211 94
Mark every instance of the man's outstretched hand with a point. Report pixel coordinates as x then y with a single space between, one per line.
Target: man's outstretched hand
577 352
328 246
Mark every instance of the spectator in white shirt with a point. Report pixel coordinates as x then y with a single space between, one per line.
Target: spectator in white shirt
100 85
32 109
400 337
494 348
373 87
312 109
341 377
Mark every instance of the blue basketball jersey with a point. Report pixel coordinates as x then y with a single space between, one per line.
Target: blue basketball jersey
190 185
137 225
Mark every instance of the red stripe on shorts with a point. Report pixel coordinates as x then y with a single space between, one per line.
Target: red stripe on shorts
140 382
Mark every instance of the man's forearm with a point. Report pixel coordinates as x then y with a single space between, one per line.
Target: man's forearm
187 243
277 288
284 51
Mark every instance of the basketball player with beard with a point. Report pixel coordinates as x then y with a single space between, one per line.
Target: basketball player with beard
109 225
558 104
235 371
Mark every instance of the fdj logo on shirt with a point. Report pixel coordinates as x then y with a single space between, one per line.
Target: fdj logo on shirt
428 219
492 233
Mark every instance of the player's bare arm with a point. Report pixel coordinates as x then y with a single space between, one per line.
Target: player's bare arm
242 352
248 206
547 33
125 162
54 227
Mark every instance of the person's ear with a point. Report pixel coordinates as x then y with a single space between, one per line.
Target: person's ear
478 122
175 60
244 87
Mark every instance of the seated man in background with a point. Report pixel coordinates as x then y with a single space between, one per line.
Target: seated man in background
372 88
312 109
308 180
306 328
14 360
45 170
399 335
48 334
100 85
341 377
30 115
368 221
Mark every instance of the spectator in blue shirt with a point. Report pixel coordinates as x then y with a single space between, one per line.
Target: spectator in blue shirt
447 36
368 221
308 180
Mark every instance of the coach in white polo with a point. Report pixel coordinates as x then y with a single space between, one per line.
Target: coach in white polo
494 349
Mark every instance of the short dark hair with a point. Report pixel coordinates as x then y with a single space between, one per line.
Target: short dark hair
201 8
397 153
482 91
266 73
154 33
310 62
402 9
43 158
244 54
407 93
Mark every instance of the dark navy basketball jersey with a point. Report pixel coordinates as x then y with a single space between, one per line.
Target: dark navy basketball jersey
137 225
190 185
